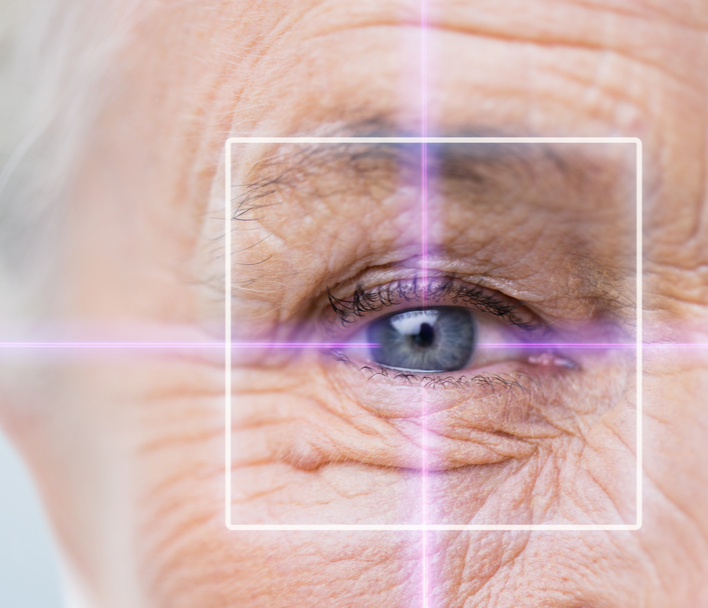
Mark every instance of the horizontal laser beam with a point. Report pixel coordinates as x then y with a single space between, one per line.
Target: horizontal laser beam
296 345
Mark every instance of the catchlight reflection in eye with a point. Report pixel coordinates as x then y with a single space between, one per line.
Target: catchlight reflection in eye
441 338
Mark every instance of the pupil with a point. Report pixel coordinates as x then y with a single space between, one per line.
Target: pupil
425 336
440 338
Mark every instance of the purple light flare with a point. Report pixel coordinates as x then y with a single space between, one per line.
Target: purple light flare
305 345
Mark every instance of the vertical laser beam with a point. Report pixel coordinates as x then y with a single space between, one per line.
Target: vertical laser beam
424 275
640 335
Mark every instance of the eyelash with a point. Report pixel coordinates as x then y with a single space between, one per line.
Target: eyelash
366 302
504 381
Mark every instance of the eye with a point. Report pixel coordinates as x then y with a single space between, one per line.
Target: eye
435 339
448 326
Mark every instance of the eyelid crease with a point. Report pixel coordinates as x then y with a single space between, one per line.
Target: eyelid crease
364 302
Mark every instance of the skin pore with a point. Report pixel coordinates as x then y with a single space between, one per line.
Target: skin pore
128 447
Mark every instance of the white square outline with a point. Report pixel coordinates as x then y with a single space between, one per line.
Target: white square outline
428 140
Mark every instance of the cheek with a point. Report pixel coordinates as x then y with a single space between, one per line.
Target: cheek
156 442
186 556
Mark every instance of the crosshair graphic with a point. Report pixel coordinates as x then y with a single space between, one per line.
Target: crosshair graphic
424 142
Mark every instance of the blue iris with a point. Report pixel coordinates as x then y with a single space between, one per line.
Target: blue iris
439 339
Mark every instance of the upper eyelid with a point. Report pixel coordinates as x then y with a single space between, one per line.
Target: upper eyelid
365 302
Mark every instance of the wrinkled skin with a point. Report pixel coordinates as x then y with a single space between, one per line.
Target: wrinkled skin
128 449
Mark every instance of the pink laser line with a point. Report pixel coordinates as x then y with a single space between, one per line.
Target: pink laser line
296 345
183 345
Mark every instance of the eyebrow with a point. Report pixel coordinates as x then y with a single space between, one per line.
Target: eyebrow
481 169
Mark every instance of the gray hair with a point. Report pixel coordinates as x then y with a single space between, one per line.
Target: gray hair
53 58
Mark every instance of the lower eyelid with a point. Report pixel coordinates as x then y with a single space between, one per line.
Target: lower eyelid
320 408
512 377
510 401
503 381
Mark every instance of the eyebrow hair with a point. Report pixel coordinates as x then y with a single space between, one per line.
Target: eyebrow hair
479 167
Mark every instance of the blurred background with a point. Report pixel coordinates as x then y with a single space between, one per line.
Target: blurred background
29 567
